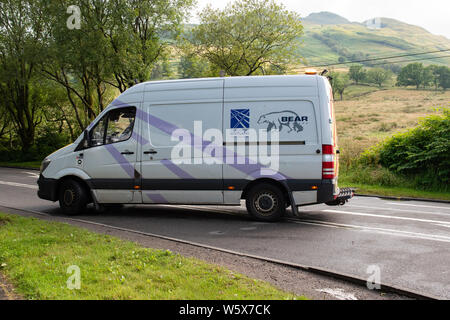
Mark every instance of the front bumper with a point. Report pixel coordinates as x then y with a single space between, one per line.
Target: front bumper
47 188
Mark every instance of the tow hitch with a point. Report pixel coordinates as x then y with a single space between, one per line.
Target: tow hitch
343 197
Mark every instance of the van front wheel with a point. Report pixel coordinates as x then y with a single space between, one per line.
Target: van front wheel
72 198
266 202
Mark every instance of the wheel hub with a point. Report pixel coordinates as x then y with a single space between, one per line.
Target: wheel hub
265 203
69 197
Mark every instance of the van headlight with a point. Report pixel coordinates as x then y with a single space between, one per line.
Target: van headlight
44 165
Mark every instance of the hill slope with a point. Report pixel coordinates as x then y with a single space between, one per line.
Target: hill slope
329 37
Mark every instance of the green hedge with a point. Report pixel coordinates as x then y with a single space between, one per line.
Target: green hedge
423 152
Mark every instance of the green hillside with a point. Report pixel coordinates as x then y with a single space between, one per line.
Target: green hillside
329 37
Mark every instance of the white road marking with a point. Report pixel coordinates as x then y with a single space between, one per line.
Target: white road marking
33 174
418 205
385 217
248 229
422 236
339 294
399 210
443 225
22 185
216 233
415 235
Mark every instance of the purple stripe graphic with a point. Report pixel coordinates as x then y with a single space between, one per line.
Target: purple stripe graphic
140 139
127 166
177 170
156 198
255 170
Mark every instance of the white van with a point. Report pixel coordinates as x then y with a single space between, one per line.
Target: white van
270 140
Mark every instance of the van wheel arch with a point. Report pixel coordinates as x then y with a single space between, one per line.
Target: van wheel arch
82 182
276 183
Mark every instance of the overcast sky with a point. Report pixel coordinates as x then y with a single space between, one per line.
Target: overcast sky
433 15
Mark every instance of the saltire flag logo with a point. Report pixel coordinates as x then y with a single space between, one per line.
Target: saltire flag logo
240 119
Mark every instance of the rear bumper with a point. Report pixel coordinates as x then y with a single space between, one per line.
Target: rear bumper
326 191
47 188
344 195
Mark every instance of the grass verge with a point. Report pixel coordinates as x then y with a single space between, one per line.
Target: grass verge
381 182
28 165
36 254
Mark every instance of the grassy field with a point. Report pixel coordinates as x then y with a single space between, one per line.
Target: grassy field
35 256
325 43
366 117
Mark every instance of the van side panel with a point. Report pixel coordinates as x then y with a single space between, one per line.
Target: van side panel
175 118
287 105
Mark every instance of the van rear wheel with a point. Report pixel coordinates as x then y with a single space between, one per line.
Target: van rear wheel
73 198
265 202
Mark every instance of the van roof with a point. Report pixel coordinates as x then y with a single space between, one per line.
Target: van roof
301 80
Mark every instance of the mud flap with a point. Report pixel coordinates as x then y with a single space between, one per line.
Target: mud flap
295 212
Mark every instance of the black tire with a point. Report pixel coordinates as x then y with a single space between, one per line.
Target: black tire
266 202
73 198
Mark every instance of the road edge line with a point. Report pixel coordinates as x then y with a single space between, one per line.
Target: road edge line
402 198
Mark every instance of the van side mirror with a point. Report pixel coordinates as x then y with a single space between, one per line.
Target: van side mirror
87 138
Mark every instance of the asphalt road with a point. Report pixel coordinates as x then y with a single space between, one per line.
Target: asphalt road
408 242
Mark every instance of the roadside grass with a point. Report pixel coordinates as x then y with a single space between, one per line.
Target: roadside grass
382 182
28 164
370 117
36 254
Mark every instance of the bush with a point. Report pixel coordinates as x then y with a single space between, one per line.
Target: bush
423 152
48 142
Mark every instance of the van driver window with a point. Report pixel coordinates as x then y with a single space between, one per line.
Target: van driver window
116 126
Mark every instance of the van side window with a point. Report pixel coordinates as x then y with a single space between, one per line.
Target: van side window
116 126
97 134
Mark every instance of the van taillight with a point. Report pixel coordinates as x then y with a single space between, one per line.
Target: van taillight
328 169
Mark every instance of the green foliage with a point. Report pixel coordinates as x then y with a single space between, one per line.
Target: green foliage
357 73
35 255
248 37
423 152
191 66
412 74
49 141
339 82
441 76
378 76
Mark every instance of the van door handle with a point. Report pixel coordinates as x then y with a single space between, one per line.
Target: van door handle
127 152
151 152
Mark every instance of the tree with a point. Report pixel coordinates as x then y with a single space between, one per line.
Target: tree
412 74
444 77
441 76
119 43
339 82
191 66
23 36
248 37
357 73
378 76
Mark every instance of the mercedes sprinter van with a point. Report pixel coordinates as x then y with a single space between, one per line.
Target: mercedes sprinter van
270 140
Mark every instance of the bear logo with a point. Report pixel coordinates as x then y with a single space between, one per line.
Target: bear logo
278 120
